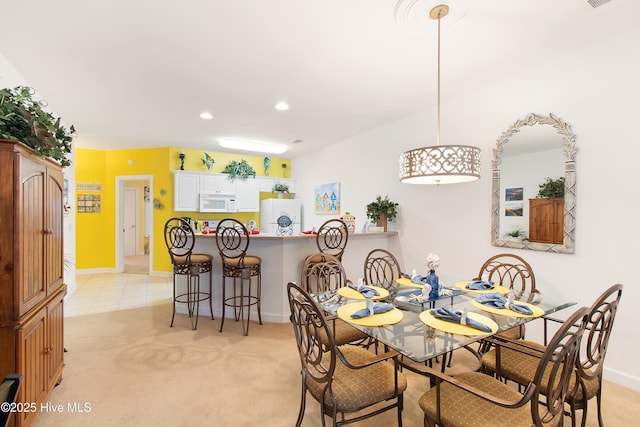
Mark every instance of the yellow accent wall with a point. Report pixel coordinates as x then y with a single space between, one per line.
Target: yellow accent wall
95 232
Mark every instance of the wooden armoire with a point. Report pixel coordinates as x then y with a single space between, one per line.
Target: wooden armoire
31 274
546 220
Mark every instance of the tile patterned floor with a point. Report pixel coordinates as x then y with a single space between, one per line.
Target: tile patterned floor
102 292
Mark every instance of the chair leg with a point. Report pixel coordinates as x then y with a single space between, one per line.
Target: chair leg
224 300
211 292
259 296
400 408
245 276
194 295
303 403
599 405
173 316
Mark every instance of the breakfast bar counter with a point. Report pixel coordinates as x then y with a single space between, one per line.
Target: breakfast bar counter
282 259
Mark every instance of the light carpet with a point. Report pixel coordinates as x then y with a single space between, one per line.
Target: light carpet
131 368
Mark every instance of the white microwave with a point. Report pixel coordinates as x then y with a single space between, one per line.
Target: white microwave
217 202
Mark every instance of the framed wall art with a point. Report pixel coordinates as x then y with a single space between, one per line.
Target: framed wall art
327 198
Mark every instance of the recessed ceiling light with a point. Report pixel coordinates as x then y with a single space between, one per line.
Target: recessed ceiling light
206 115
282 106
262 147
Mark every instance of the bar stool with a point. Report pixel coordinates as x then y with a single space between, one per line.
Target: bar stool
331 239
180 240
232 240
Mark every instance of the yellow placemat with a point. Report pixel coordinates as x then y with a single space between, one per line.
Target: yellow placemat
496 288
388 318
351 293
403 281
456 328
537 311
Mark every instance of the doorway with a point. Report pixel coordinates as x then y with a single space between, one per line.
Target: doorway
134 222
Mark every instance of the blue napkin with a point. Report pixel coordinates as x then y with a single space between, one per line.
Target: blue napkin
497 300
366 291
450 314
479 285
379 307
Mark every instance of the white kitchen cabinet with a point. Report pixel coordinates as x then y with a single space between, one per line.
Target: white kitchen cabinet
186 188
266 183
217 183
248 195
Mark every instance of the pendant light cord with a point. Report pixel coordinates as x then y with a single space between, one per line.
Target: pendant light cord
438 126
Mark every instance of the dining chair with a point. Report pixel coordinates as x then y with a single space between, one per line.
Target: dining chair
478 399
180 240
519 366
323 274
8 395
381 268
343 379
233 241
513 272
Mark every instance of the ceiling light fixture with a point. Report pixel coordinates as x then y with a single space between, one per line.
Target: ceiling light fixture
261 147
282 106
440 164
206 115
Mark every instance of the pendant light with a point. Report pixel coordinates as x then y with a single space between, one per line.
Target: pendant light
440 164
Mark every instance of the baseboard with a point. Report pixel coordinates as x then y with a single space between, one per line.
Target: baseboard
217 313
621 378
160 273
95 270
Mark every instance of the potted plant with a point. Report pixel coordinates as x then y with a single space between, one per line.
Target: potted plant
382 210
280 188
23 119
516 233
241 169
551 188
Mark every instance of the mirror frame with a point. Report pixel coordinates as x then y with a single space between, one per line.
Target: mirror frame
569 149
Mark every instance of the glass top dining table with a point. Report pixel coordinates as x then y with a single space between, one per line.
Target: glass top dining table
413 338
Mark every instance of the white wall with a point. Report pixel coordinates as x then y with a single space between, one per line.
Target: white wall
596 90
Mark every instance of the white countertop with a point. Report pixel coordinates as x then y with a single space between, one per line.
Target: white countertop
305 236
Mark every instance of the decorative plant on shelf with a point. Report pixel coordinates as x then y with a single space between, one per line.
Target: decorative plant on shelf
241 169
551 188
280 187
382 210
23 119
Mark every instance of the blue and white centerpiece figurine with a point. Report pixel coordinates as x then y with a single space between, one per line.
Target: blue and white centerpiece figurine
433 261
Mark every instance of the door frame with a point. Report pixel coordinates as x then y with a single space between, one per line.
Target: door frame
136 239
120 180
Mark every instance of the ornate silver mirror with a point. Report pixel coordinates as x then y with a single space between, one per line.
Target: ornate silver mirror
539 147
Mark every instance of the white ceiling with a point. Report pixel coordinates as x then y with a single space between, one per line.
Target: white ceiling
137 73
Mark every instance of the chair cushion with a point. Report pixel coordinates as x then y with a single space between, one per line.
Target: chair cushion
462 409
249 261
343 333
315 258
195 259
521 368
515 333
355 389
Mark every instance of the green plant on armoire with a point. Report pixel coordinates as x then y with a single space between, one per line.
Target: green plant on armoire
25 120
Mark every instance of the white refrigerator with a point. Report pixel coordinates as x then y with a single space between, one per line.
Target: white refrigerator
280 217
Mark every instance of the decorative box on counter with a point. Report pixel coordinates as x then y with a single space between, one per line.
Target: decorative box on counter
350 221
